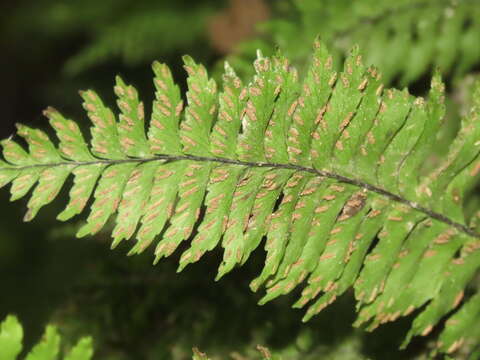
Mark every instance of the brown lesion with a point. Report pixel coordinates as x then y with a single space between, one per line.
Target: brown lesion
236 23
353 205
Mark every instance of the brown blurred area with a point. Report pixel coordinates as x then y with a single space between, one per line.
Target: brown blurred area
236 23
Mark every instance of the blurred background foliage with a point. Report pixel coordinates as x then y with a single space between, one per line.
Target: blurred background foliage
405 39
51 49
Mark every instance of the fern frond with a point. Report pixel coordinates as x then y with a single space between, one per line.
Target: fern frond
11 335
405 39
328 170
133 37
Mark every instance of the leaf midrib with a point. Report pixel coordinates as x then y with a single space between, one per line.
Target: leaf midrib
323 173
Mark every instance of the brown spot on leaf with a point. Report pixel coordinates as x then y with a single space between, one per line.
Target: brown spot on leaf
476 169
457 299
337 188
427 330
353 205
429 253
395 218
363 84
327 256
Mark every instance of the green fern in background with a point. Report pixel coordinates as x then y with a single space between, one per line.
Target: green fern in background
405 38
11 334
133 32
328 169
49 348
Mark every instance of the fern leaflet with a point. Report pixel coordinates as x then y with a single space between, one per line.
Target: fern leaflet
11 335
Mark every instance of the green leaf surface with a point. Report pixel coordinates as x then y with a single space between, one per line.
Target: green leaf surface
48 348
11 335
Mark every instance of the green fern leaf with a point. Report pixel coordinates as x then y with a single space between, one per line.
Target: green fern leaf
11 334
324 171
198 355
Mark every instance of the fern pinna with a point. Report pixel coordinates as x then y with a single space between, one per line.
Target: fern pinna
328 173
11 337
